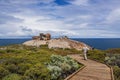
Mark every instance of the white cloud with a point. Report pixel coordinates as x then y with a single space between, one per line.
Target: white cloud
80 2
24 2
114 16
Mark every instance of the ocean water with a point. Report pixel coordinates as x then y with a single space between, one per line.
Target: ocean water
4 42
99 43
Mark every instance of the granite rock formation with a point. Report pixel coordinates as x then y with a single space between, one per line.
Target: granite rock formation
63 42
42 36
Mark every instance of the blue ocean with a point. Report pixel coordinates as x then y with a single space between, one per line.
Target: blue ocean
99 43
4 42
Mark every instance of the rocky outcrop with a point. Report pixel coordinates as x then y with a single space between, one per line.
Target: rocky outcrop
67 43
42 36
35 37
36 43
58 43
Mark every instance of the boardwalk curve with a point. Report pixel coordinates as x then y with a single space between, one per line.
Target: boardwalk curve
93 70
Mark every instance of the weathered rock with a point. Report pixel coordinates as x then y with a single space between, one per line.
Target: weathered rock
58 43
42 36
35 37
67 43
36 43
45 36
48 36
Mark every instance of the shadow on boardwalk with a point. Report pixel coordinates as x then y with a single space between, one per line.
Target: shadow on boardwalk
93 70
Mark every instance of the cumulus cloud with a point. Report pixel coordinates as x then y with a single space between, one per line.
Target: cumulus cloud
79 2
5 18
114 16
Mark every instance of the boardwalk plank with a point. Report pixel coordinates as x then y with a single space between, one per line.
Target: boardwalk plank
93 70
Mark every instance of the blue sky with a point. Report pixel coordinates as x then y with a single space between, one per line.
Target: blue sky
74 18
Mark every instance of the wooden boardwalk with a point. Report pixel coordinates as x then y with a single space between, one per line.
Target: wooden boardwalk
93 70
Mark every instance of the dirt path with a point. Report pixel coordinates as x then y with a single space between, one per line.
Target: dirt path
93 70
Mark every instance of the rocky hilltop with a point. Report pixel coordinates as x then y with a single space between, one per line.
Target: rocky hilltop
58 43
63 42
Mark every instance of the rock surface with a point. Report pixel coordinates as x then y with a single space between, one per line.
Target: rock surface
35 43
58 43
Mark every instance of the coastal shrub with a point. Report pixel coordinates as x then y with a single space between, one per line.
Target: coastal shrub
116 70
15 60
10 50
2 51
55 72
38 72
61 66
29 63
97 55
22 67
113 51
3 72
73 51
66 51
13 50
44 46
113 59
16 65
12 68
12 77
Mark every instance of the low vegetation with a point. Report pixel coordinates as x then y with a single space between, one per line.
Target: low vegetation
97 55
60 66
116 72
18 62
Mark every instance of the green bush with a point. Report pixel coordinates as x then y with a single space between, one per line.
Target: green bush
10 50
113 59
60 66
38 72
116 70
55 72
12 68
14 64
14 60
113 51
12 77
3 72
2 51
97 55
22 67
44 46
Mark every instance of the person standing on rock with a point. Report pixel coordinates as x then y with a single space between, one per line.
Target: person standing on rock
85 50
